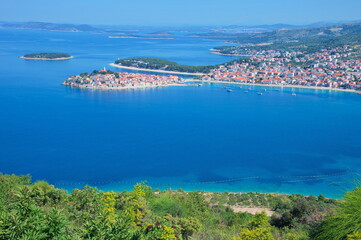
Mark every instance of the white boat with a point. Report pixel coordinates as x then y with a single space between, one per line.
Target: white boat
293 94
229 90
259 93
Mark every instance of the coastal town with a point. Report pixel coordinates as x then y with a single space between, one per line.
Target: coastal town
336 68
105 79
332 68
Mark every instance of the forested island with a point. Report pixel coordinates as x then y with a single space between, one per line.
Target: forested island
47 56
41 211
161 65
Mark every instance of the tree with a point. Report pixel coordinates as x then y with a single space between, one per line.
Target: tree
188 226
136 205
355 236
346 223
258 229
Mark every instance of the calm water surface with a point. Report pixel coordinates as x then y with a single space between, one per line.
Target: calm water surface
189 137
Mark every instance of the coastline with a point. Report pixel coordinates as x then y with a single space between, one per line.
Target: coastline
230 55
188 81
215 51
47 59
278 85
119 186
129 87
155 70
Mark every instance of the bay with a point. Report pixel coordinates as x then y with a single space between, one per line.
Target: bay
195 138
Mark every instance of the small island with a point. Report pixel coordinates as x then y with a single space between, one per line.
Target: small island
46 56
106 79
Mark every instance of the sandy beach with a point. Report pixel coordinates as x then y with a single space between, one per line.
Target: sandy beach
155 70
277 85
215 51
231 55
47 59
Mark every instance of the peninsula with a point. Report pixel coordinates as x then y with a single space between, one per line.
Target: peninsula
46 56
336 68
162 66
154 70
333 68
106 79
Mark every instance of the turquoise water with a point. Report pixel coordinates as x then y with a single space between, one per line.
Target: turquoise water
195 138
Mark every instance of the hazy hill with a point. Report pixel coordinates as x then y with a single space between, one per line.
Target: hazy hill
291 35
52 27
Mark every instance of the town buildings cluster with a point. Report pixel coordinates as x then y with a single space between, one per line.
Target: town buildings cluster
112 80
334 68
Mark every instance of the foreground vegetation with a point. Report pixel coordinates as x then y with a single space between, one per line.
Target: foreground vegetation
41 211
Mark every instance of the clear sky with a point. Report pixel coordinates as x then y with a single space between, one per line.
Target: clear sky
179 12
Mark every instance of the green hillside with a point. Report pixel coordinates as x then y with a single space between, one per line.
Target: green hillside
291 35
308 46
41 211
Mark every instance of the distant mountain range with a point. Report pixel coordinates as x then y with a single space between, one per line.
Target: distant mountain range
242 31
266 27
249 34
52 27
272 27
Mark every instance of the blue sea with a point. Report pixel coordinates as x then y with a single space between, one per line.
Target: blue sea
194 138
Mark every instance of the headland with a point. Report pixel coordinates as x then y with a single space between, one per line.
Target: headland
155 70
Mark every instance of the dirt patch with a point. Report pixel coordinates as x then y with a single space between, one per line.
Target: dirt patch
253 210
